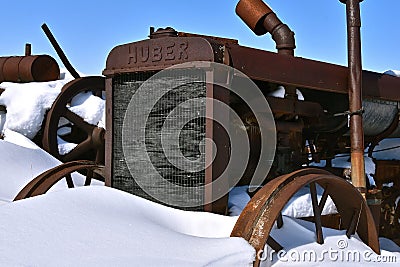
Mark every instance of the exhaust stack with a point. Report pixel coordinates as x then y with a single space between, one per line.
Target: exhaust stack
355 94
261 19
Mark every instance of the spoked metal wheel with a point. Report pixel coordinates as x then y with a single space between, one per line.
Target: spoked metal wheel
42 183
258 217
89 138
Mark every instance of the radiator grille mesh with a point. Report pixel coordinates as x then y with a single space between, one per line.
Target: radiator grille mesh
190 137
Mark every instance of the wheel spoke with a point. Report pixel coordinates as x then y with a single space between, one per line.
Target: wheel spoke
254 223
60 109
89 175
78 150
317 214
274 244
100 155
323 200
70 182
353 223
279 221
78 121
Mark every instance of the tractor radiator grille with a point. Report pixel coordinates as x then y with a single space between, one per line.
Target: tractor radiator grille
125 86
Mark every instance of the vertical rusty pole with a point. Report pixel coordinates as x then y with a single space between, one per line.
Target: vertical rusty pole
355 94
28 49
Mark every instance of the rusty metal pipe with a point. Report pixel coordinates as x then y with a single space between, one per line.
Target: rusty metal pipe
261 19
355 94
28 49
39 68
60 52
281 34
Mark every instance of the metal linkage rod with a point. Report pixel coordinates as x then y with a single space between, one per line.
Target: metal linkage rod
60 52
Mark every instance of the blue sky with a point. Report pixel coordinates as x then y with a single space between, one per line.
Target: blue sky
88 30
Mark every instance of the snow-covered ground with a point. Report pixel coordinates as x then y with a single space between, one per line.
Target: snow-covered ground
21 161
101 226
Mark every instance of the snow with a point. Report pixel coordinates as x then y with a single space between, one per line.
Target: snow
298 239
102 226
391 154
88 221
237 200
300 204
395 73
280 92
21 161
343 161
27 104
88 107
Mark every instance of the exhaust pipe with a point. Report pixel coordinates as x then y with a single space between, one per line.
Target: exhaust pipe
355 94
261 19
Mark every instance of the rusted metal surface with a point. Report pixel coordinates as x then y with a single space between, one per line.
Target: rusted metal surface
374 201
163 32
215 131
261 19
152 55
330 221
213 38
257 64
317 210
108 157
253 12
93 136
378 115
2 60
160 53
38 68
306 73
355 94
296 120
390 213
280 107
387 171
28 49
42 183
260 214
344 1
163 51
60 52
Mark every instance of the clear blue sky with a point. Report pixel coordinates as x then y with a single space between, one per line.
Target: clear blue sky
88 30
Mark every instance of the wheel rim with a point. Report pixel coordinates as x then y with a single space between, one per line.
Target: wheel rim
258 217
43 182
94 141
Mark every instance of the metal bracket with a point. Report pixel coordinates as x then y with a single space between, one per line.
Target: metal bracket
350 113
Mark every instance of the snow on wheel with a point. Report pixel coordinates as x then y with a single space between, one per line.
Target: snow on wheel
70 133
260 214
43 182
